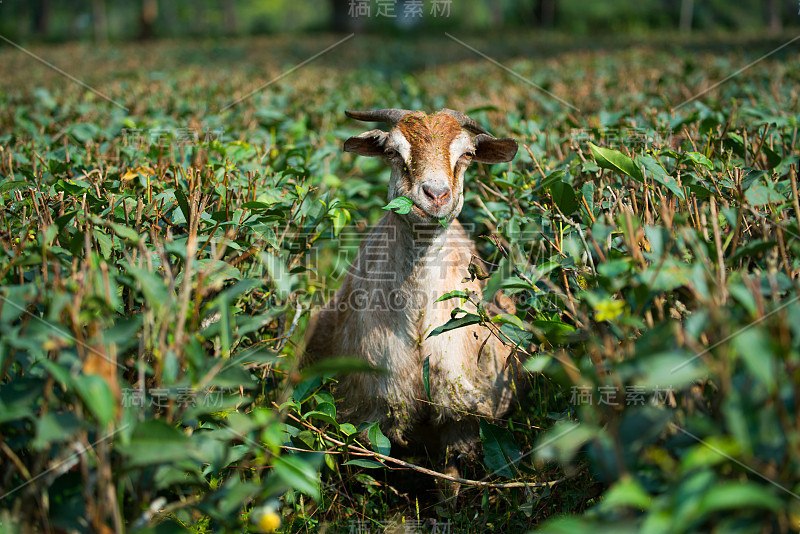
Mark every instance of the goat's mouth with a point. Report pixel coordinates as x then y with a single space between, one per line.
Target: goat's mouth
431 215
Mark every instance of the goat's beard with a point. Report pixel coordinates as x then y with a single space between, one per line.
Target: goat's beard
421 215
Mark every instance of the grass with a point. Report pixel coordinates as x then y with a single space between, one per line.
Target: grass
177 248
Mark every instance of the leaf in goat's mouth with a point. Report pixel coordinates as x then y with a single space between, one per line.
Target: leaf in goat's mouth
403 205
400 205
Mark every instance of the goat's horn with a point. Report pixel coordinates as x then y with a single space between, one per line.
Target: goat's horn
391 116
466 122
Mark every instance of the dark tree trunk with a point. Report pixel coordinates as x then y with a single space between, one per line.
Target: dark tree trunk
229 16
774 22
199 19
147 19
341 20
41 17
540 13
496 15
548 13
99 21
687 13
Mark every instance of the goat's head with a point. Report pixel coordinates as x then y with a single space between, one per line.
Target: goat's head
428 155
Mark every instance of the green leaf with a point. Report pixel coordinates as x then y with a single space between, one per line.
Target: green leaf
711 451
348 429
626 493
325 412
564 197
339 366
340 217
368 464
699 159
516 335
501 454
321 416
773 158
588 194
297 473
303 391
55 427
104 241
125 232
738 495
11 185
97 396
659 174
538 363
380 443
183 204
760 195
153 287
507 318
563 441
155 442
754 347
15 300
672 369
615 160
452 324
426 376
62 221
555 331
226 324
83 132
752 249
456 293
233 493
277 271
217 271
400 205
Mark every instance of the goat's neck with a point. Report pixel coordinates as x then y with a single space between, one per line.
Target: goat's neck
418 244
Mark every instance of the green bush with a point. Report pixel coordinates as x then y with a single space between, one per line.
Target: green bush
160 263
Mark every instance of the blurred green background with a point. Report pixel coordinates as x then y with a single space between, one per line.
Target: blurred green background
101 20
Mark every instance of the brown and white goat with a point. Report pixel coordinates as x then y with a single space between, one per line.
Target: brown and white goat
386 306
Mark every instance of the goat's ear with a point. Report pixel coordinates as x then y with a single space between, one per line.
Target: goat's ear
370 143
489 149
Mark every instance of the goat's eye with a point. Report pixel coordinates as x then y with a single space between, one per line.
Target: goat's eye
465 158
391 153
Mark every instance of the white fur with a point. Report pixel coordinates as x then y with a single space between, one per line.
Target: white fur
399 142
460 145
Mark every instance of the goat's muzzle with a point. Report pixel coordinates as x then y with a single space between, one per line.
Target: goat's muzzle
437 195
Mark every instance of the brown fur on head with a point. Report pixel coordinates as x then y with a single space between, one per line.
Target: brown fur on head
428 155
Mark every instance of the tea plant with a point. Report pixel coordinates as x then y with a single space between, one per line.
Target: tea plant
165 241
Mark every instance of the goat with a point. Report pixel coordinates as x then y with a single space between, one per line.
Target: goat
386 306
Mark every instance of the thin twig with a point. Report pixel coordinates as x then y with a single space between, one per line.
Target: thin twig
364 452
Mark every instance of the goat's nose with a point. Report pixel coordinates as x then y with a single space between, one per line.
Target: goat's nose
438 194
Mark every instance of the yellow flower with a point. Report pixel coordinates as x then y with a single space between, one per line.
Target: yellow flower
130 174
266 518
582 282
608 309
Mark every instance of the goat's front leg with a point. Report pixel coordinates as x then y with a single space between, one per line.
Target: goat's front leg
458 449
